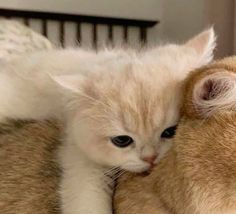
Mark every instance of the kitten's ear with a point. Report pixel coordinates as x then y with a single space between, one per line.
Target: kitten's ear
204 45
215 92
70 82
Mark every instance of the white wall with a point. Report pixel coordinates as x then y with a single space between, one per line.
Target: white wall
180 19
136 9
220 13
176 17
142 9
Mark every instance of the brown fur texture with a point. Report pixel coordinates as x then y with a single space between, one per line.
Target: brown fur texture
198 175
29 174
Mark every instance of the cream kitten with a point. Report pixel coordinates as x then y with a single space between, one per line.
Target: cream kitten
120 109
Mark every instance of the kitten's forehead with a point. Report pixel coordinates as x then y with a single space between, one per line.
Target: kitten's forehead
135 101
145 110
138 93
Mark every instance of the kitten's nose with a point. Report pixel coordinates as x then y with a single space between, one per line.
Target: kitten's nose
150 159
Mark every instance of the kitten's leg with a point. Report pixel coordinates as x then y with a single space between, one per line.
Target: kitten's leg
26 99
84 187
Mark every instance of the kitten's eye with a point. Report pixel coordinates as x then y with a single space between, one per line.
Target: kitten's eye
169 132
122 140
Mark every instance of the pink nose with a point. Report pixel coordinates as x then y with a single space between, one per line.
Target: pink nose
150 159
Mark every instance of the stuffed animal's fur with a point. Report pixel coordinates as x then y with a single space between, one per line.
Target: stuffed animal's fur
29 175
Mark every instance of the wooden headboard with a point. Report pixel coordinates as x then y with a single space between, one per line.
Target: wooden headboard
141 26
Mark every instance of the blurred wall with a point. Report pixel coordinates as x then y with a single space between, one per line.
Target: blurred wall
180 19
221 15
142 9
137 9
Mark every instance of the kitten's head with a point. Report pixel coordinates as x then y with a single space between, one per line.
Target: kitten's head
123 112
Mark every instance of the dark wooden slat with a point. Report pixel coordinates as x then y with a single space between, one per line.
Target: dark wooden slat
95 36
143 35
26 21
78 33
45 28
110 34
125 33
77 18
62 33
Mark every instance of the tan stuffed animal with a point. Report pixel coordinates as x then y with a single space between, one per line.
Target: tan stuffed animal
198 175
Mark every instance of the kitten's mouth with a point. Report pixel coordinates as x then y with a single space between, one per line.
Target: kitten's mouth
139 170
149 171
146 173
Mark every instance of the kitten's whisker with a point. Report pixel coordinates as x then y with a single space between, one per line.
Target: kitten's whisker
115 177
92 99
119 174
112 170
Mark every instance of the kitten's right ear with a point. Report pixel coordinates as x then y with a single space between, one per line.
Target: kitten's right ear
203 44
215 92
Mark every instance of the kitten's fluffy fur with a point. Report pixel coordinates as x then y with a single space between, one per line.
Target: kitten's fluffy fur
198 174
114 92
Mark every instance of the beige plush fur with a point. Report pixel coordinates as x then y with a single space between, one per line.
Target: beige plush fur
198 174
29 172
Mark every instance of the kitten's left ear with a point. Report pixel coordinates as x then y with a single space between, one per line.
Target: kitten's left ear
204 45
71 82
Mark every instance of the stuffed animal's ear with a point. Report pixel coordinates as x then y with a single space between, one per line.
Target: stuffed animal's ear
215 92
204 45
